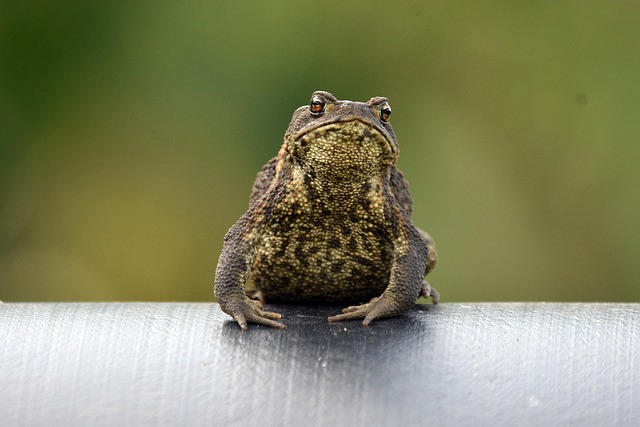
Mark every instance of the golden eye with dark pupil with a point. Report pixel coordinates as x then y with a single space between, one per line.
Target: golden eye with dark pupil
317 104
385 112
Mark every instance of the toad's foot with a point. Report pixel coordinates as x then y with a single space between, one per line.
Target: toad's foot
251 311
427 291
257 295
377 308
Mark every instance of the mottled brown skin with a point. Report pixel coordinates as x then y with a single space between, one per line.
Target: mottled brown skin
329 222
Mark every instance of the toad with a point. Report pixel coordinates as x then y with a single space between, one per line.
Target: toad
329 222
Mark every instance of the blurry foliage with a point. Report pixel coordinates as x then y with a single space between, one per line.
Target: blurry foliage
130 134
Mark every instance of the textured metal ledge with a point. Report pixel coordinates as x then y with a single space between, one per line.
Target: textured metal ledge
106 364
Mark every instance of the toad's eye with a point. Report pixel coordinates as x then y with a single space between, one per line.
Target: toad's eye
317 105
385 112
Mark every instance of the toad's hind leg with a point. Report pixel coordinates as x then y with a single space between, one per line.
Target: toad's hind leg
427 291
432 257
256 294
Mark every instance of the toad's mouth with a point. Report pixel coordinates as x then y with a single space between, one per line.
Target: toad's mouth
347 149
363 129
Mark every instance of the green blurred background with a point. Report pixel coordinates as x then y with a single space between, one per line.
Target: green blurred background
131 132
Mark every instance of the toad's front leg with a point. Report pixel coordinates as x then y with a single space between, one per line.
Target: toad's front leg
405 285
231 275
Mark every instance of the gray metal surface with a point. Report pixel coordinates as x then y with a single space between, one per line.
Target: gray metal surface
113 364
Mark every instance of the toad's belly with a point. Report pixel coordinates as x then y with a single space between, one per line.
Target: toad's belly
322 268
